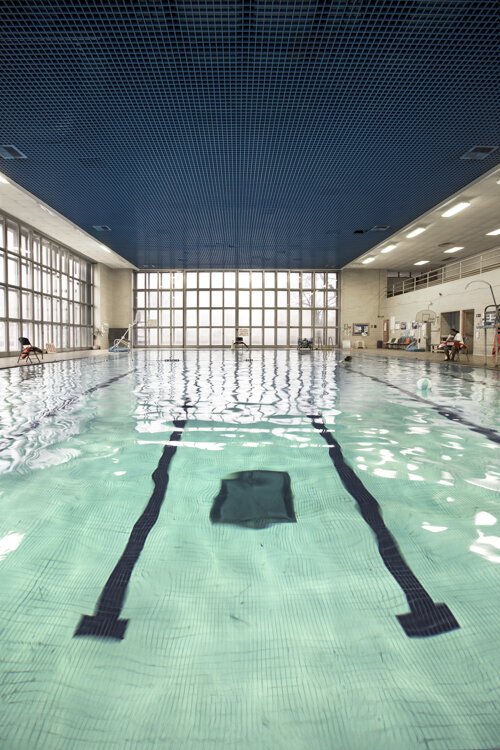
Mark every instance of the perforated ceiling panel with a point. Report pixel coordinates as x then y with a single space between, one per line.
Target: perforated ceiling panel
247 134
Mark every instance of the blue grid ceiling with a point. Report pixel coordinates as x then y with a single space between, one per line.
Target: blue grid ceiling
246 134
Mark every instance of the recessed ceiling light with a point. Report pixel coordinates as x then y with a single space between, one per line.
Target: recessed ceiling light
493 233
415 232
453 249
421 262
388 249
370 259
455 209
3 180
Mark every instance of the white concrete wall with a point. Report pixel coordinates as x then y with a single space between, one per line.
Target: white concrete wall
360 294
363 300
113 299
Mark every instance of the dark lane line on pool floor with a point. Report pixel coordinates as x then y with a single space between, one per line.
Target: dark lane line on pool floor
60 407
453 416
425 617
106 622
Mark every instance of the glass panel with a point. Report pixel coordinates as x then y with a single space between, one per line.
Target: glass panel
294 280
56 310
45 252
12 239
64 311
332 318
332 281
191 280
25 248
191 336
56 284
256 336
319 280
256 277
294 317
217 280
152 336
164 317
269 317
2 268
229 279
204 337
36 249
2 226
332 334
178 337
282 280
306 318
37 278
244 280
229 318
216 336
178 317
204 317
3 338
229 334
217 299
282 317
229 299
2 302
204 280
217 317
13 269
140 336
282 299
191 299
13 303
165 337
165 282
14 336
269 280
178 281
243 317
141 299
256 317
191 317
204 299
257 299
306 280
37 311
269 299
177 299
319 299
153 299
281 336
26 279
140 280
244 299
153 280
269 336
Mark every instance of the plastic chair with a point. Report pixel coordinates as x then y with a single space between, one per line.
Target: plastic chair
28 351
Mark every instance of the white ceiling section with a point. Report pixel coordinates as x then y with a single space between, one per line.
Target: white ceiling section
25 207
468 229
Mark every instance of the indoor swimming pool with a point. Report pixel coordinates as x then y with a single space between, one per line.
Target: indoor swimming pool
249 550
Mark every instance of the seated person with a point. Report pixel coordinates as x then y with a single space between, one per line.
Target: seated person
447 344
238 343
458 343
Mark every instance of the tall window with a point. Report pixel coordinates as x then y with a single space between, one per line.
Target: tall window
45 291
208 308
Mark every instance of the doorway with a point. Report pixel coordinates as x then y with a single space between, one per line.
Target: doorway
468 329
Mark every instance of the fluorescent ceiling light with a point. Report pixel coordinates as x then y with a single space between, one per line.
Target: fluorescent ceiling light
493 233
453 249
370 259
415 232
388 249
421 262
3 180
455 209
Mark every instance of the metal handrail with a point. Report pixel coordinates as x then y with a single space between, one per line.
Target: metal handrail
460 269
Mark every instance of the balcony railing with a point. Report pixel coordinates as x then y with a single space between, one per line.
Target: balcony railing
452 271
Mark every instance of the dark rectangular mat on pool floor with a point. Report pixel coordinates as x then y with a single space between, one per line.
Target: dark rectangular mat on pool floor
255 499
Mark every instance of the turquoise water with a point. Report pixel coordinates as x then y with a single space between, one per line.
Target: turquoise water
284 636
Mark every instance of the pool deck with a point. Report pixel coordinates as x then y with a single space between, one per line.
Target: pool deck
474 360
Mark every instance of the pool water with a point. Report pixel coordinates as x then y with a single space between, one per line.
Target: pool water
131 619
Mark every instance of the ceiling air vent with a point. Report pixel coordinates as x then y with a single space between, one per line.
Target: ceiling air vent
101 228
380 228
9 151
479 152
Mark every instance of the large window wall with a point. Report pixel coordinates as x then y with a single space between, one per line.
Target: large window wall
208 308
45 291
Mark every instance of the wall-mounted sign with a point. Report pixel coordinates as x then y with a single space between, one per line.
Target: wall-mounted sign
360 329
